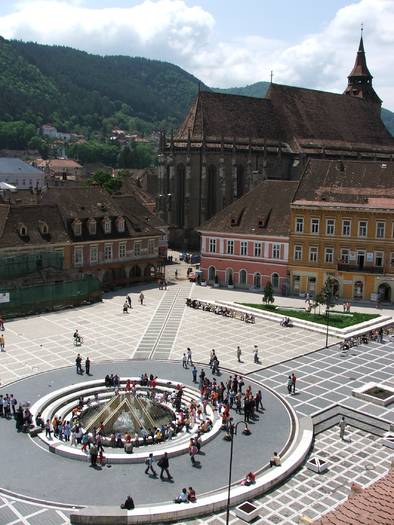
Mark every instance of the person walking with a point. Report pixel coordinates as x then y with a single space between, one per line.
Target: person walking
184 361
342 428
193 450
128 299
194 374
176 274
255 354
149 464
381 332
1 323
293 382
78 364
239 353
93 455
2 343
189 356
142 297
289 384
87 366
163 463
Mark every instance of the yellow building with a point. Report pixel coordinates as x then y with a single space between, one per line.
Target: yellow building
342 225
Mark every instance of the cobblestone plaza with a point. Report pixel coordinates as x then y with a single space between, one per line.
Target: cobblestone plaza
161 330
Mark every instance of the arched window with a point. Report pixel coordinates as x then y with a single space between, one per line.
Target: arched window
212 185
92 227
229 276
358 289
257 280
240 182
243 276
180 195
211 273
275 280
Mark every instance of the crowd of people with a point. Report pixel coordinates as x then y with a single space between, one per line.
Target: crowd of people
220 310
10 409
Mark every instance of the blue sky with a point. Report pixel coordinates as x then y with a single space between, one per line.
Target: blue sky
225 43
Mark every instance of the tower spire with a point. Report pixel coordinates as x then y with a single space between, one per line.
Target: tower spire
360 79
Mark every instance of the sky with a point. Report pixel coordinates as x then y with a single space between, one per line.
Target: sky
225 43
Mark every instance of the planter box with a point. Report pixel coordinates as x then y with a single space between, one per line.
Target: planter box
247 511
317 465
216 285
230 286
376 393
203 283
388 440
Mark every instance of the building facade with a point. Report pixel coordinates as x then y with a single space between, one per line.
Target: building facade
227 144
342 225
86 228
246 244
20 174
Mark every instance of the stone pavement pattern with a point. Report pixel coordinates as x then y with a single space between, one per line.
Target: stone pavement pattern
45 342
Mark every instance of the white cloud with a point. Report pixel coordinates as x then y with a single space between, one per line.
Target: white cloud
171 30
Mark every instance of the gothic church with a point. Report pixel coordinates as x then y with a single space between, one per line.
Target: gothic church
229 143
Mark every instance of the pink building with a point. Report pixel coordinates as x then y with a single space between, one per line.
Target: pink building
247 243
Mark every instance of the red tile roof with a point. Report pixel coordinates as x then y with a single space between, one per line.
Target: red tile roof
372 506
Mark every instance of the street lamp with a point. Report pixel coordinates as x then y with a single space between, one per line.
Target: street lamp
327 323
232 433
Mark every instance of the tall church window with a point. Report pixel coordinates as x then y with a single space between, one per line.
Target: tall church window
180 195
212 188
239 186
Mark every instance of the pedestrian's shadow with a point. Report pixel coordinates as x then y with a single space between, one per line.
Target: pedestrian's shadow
167 480
197 464
96 467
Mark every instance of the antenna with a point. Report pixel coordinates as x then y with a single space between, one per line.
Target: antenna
272 76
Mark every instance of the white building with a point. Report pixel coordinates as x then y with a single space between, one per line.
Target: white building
20 174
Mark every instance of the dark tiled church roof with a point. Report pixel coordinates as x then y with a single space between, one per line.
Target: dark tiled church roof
265 210
303 118
219 114
350 181
311 116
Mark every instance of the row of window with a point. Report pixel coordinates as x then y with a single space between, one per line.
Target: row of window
346 231
346 256
257 248
243 277
92 226
108 252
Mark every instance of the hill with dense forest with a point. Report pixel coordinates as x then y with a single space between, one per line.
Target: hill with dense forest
90 94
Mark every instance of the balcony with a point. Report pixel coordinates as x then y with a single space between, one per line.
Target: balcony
343 267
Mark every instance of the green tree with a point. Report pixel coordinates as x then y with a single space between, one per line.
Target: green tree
268 296
40 145
106 181
126 158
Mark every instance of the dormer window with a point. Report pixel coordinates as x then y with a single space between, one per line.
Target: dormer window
120 224
92 227
22 230
43 226
77 228
107 225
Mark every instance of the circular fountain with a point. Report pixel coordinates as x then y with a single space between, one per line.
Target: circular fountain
126 412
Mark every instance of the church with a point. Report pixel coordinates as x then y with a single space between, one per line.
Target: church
227 144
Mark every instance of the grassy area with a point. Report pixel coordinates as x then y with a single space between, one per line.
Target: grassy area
337 318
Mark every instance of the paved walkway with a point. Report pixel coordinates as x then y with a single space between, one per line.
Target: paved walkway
159 337
325 376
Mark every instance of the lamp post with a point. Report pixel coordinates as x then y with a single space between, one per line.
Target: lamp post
233 432
327 323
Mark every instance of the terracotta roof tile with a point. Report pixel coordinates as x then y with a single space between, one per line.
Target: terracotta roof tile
372 506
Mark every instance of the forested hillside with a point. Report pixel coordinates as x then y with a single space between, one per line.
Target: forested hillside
82 92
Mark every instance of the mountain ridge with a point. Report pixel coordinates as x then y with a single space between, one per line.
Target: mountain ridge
81 92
